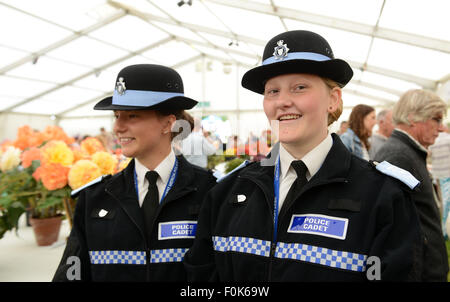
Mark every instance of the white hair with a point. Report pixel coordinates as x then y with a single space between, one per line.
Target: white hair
418 105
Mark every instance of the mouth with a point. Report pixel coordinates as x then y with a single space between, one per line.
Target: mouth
125 140
289 117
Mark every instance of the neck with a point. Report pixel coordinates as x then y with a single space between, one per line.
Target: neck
300 149
153 159
407 129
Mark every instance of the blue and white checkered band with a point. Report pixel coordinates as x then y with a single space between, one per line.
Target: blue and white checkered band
294 251
319 255
167 255
297 56
117 257
142 98
242 245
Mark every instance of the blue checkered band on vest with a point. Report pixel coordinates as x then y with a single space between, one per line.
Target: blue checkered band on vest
295 251
117 257
167 255
320 255
242 245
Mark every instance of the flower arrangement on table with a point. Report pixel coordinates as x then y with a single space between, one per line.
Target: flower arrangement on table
39 170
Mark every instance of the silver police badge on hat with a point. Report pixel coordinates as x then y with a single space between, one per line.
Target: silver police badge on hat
281 50
120 86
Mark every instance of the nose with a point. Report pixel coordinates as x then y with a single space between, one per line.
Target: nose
119 125
284 99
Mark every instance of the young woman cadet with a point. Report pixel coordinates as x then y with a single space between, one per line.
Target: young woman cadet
323 218
137 224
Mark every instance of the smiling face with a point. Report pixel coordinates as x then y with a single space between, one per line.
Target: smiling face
142 133
301 104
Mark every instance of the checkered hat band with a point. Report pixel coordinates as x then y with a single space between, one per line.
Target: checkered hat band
319 255
118 257
295 251
242 245
167 255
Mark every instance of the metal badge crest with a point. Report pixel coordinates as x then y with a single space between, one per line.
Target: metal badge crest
281 50
120 86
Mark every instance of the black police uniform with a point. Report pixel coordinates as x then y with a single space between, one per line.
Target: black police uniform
108 232
235 235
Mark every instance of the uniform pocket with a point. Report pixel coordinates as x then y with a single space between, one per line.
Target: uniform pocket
345 204
103 213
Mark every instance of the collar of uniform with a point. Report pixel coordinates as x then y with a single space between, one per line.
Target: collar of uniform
164 168
419 145
313 159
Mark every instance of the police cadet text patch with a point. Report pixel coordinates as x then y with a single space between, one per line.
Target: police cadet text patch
177 230
321 225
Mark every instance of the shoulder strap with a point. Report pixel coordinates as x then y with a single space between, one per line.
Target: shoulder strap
404 176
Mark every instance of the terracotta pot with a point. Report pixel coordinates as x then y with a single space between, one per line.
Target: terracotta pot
46 230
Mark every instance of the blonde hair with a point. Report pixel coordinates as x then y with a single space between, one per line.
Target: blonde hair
417 105
334 116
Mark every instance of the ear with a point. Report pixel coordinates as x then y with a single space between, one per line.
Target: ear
169 120
334 100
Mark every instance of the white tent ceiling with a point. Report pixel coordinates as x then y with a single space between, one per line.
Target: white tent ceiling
58 58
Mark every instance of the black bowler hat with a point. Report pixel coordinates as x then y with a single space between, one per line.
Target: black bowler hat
297 51
147 86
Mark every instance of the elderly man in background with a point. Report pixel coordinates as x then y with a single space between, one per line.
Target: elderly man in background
418 119
385 128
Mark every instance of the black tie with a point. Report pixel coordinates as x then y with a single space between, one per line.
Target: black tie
151 200
300 168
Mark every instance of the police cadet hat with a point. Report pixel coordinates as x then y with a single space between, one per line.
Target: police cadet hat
147 86
297 51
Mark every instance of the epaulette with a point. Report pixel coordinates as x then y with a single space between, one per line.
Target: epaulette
401 174
74 193
220 176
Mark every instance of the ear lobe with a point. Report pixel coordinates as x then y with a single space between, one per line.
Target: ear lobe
335 99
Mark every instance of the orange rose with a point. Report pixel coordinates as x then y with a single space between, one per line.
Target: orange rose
29 155
91 145
54 176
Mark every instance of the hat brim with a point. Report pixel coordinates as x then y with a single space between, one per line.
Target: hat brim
175 103
336 70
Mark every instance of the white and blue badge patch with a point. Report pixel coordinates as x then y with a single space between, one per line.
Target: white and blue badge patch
177 230
321 225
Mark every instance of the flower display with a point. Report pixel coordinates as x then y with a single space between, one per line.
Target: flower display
29 155
53 176
57 152
91 145
10 159
39 170
82 172
105 161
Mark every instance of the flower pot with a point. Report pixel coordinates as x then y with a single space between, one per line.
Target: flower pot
46 230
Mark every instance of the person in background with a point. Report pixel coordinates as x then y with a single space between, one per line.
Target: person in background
197 146
314 211
137 224
342 128
440 160
360 125
106 139
418 121
385 128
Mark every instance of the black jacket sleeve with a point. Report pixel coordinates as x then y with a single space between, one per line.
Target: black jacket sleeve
75 263
199 261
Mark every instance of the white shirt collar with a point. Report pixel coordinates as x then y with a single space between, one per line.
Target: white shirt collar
163 169
313 159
